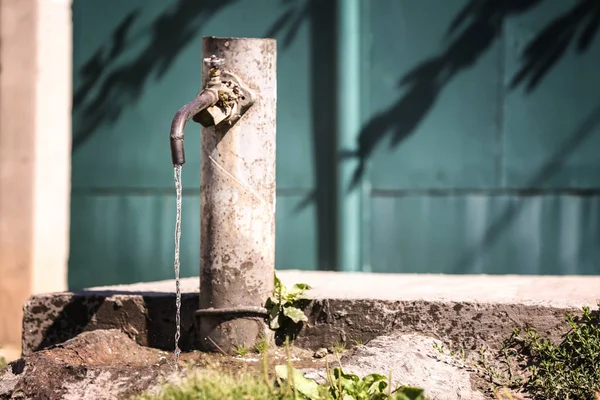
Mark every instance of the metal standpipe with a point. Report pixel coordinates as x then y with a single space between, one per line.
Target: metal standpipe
237 196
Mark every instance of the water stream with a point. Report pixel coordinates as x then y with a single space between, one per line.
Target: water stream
176 264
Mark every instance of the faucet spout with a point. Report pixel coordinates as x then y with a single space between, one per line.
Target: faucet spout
203 100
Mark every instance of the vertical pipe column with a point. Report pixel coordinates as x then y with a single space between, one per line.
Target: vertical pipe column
237 250
349 203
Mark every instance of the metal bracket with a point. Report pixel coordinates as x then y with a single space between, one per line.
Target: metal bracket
235 97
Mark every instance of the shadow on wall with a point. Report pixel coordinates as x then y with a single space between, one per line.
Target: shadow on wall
321 16
473 30
106 90
579 25
109 85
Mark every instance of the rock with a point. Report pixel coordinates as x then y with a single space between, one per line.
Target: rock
99 365
320 353
412 360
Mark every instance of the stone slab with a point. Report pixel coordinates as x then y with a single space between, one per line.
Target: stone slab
468 311
410 360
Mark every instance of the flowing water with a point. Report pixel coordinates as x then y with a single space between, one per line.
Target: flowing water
176 264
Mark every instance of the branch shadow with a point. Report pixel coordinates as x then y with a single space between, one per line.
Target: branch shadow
580 23
472 32
474 29
108 85
321 15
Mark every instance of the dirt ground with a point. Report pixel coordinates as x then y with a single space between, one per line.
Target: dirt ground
107 364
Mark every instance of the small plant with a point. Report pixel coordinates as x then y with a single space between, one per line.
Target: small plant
568 370
440 348
287 304
344 386
262 346
460 353
242 350
338 347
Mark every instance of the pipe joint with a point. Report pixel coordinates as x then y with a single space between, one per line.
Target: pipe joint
225 99
234 98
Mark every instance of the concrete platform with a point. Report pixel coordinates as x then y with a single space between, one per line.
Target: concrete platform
468 311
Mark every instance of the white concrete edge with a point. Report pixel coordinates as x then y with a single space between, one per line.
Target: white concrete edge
52 113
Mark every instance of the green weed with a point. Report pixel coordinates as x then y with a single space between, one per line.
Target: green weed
287 304
338 347
569 369
242 351
262 346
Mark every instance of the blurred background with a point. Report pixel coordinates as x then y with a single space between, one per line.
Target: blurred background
476 149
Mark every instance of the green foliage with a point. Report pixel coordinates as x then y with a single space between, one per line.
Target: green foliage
262 346
344 386
305 387
338 347
213 385
242 351
568 370
291 385
287 304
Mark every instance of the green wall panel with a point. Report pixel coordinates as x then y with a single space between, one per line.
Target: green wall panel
486 234
124 239
296 245
433 98
552 124
472 170
118 239
135 64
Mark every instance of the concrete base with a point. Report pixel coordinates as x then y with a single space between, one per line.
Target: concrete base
467 311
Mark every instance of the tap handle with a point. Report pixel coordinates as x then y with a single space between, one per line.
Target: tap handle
213 61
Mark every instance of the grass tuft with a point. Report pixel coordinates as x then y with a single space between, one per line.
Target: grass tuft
569 369
215 385
262 346
338 348
242 350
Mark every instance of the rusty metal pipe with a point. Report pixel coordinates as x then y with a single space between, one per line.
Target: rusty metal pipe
237 199
204 99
